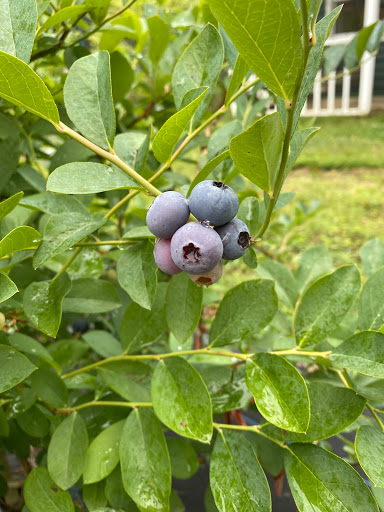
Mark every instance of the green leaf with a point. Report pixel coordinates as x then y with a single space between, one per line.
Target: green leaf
7 288
199 65
183 457
369 447
244 311
363 353
184 304
226 394
34 422
141 327
133 147
103 343
323 30
137 273
314 263
43 303
325 304
279 390
115 493
158 37
355 49
239 72
256 152
372 256
122 76
333 409
18 26
103 454
98 9
88 178
20 239
298 142
249 213
94 496
20 85
64 230
91 296
371 303
286 287
321 481
207 169
15 367
88 98
52 204
68 13
375 38
236 477
168 135
10 204
41 493
181 400
270 454
4 425
333 55
29 345
49 387
269 39
130 379
145 465
66 451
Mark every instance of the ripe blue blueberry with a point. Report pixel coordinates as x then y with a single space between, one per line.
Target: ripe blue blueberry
213 201
208 278
167 214
235 238
196 248
163 258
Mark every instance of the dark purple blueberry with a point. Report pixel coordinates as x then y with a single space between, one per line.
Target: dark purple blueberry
196 248
163 258
213 201
167 214
208 278
235 238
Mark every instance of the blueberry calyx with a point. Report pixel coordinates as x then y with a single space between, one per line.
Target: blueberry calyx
220 184
191 253
244 239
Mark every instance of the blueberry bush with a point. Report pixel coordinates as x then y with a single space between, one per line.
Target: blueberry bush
116 378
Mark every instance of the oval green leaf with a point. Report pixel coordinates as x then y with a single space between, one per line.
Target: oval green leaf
20 85
244 311
181 399
15 367
184 304
43 303
321 481
91 296
19 239
325 304
236 477
279 390
41 493
48 386
66 451
363 353
145 465
369 447
371 303
18 27
103 454
88 98
7 288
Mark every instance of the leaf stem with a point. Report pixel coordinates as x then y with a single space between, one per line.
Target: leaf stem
222 110
248 428
97 403
68 263
289 125
111 157
374 414
203 351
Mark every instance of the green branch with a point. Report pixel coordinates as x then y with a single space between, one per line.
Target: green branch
203 351
249 428
96 403
111 157
291 107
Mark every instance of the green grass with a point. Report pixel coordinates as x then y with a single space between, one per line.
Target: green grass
345 143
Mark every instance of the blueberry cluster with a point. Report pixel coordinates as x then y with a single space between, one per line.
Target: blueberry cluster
196 247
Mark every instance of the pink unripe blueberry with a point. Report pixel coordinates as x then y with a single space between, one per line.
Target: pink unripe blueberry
208 278
163 258
167 214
